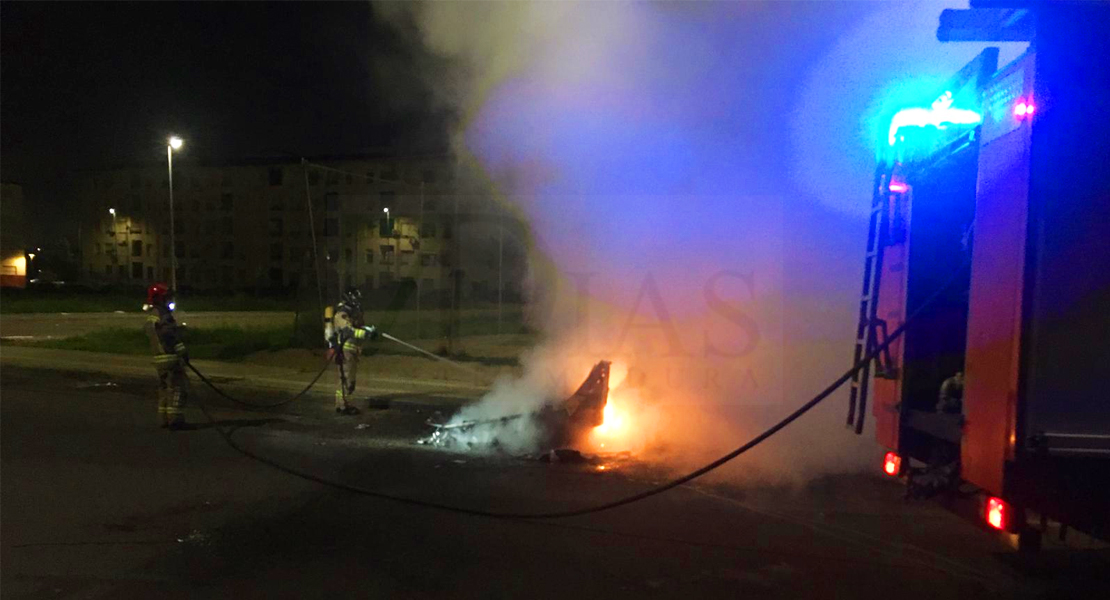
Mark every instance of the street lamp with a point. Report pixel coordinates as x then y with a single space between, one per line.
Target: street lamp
174 143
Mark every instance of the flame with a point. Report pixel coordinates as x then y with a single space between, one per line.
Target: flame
619 428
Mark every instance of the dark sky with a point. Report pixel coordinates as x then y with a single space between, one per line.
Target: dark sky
85 84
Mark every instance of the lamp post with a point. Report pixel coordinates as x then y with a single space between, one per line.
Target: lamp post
174 143
115 237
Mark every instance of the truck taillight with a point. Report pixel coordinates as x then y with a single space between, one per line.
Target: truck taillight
892 463
997 511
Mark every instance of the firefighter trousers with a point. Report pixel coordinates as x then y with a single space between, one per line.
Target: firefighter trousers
173 389
348 371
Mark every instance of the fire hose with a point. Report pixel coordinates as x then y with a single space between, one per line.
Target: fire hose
224 394
659 489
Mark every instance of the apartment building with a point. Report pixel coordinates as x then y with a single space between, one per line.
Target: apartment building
248 224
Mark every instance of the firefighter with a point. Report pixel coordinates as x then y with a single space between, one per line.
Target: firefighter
170 356
951 397
345 332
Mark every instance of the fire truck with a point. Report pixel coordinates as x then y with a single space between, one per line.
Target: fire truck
989 245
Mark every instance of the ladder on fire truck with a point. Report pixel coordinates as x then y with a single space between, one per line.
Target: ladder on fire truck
870 327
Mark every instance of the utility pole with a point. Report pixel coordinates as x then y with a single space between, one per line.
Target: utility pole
419 265
500 263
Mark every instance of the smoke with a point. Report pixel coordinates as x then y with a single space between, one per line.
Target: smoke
690 173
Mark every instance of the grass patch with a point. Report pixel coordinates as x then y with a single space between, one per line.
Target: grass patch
219 343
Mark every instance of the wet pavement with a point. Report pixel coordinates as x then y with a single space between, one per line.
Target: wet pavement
100 503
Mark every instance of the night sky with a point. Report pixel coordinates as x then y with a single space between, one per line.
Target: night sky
89 84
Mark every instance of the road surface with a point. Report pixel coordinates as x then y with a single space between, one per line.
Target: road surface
100 503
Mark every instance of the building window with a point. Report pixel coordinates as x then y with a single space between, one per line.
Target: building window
314 177
149 250
369 257
331 227
427 259
150 272
227 202
333 177
276 226
428 230
107 269
387 254
369 176
447 232
227 226
276 175
122 271
406 257
427 285
389 173
348 254
331 201
108 249
136 248
276 251
277 203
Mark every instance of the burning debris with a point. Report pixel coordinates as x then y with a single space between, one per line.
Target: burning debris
557 424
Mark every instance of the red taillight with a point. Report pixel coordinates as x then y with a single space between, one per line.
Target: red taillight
996 513
892 463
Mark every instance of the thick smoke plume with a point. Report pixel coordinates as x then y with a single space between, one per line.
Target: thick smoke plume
692 174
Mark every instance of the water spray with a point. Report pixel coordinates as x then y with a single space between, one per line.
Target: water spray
432 355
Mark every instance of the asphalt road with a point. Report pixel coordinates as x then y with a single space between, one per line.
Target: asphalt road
100 503
60 325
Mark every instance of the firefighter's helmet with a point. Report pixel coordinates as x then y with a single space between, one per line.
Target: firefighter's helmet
353 297
159 294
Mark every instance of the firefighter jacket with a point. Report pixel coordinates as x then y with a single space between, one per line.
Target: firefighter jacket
165 338
346 330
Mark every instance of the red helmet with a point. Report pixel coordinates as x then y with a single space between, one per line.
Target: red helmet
158 293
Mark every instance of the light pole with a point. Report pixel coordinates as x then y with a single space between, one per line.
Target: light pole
174 143
115 238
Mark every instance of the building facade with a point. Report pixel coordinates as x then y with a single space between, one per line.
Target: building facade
379 222
13 236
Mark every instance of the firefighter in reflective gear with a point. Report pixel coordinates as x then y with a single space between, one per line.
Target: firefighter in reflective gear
170 356
345 333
